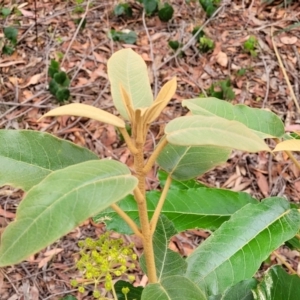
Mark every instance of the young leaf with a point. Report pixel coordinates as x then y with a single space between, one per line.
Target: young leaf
60 202
187 209
264 123
277 285
163 98
27 157
167 262
236 250
8 50
173 288
87 111
184 163
215 131
123 9
135 293
289 145
53 68
150 6
61 78
166 12
128 69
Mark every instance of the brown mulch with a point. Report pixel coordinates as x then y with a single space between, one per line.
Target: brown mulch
24 98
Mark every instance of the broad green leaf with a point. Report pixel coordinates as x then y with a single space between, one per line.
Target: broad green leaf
278 285
179 185
235 251
60 202
214 131
87 111
135 293
264 123
193 208
126 68
240 291
173 288
27 157
293 243
288 145
167 262
187 162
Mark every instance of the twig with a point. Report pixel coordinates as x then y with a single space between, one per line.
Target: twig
284 72
284 262
127 219
76 32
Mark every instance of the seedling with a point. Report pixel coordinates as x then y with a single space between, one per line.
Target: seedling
206 44
125 36
221 90
123 9
78 9
59 84
65 184
165 13
250 46
209 6
5 12
10 42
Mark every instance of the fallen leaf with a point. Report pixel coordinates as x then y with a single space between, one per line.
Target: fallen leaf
33 80
289 40
7 214
222 59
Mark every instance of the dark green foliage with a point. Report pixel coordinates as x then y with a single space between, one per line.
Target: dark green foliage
59 84
174 45
209 6
83 24
10 41
166 12
123 9
223 91
134 293
126 37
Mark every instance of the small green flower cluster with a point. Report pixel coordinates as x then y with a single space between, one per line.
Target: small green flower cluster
102 260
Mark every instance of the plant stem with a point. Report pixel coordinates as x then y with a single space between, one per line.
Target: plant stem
292 157
284 262
128 140
147 236
127 219
151 161
160 204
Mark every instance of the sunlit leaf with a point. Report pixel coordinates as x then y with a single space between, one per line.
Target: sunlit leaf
288 145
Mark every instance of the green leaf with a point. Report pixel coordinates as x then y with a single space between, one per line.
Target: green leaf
166 12
8 50
59 203
135 293
68 297
5 11
214 131
235 251
53 87
173 288
174 45
278 285
128 37
62 94
27 157
179 185
167 262
184 163
53 68
123 9
193 208
293 244
240 291
150 6
127 68
264 123
61 78
11 34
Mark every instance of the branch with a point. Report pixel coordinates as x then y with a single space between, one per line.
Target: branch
160 204
127 219
154 155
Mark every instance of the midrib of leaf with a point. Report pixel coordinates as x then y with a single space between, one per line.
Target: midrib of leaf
241 248
27 163
51 206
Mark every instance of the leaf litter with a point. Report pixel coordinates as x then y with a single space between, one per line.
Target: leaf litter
50 32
